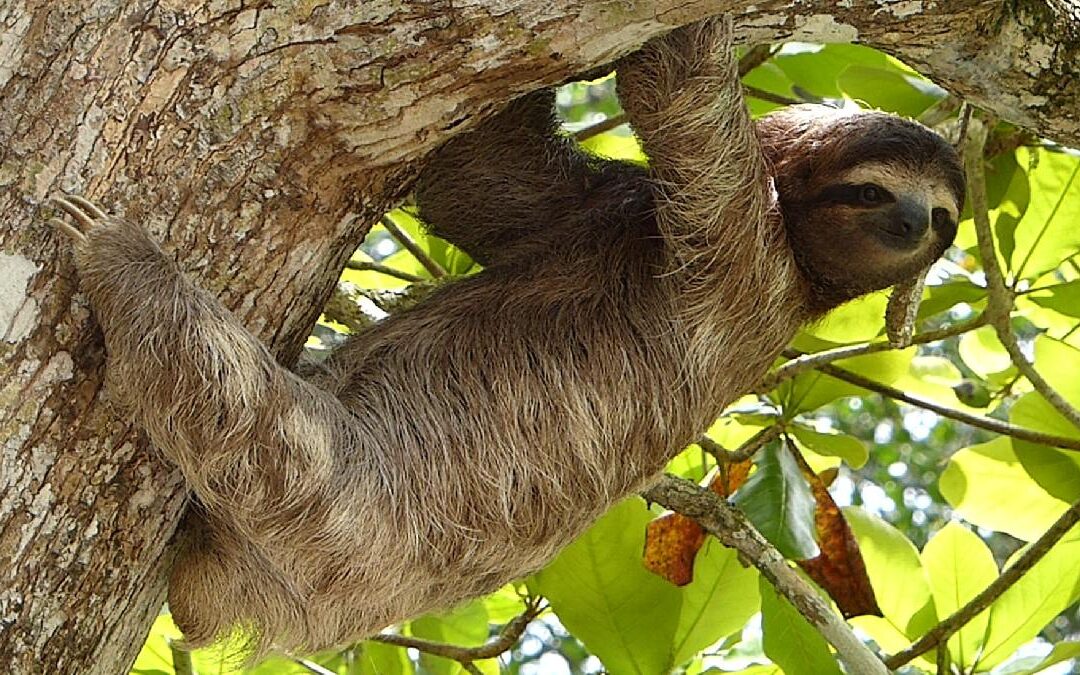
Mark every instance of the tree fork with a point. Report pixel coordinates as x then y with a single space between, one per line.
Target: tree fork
259 142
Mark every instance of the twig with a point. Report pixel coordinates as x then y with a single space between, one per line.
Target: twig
1000 302
506 639
941 632
763 95
312 666
744 451
801 364
181 659
987 423
434 268
755 56
600 127
724 522
365 266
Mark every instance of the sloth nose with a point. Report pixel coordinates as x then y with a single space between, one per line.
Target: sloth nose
913 217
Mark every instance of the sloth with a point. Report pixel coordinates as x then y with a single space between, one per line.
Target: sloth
459 444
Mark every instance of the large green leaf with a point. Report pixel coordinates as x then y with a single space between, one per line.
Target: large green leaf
813 389
1026 607
633 620
789 640
960 565
833 444
719 601
1047 234
1063 651
889 89
1062 298
977 477
376 658
780 504
896 573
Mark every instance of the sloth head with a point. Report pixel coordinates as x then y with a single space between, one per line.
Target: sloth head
868 199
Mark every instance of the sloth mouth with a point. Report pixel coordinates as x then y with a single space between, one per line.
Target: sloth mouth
898 238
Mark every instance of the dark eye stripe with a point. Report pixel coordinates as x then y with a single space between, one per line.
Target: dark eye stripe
852 195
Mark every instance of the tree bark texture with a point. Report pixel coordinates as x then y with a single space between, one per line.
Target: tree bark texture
259 139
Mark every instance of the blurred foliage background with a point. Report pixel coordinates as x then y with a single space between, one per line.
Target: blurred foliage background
938 506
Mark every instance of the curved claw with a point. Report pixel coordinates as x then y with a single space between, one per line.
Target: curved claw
67 229
87 205
75 211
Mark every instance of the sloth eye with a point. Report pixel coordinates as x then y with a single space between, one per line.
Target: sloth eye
871 194
940 217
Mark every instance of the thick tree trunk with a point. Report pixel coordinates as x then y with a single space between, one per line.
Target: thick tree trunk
259 141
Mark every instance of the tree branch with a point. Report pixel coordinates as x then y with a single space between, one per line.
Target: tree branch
987 423
365 266
724 522
434 268
465 656
805 362
1001 300
941 632
744 451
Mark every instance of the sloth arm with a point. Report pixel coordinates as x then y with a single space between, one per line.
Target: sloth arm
512 176
714 201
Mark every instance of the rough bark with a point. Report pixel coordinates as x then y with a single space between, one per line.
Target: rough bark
259 141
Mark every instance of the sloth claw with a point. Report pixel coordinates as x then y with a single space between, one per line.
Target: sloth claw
84 212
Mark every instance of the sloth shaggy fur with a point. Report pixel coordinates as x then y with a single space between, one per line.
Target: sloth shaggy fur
461 443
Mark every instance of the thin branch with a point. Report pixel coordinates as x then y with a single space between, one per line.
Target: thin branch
312 666
506 639
763 95
987 423
807 362
600 127
744 451
941 632
181 659
755 56
1001 299
365 266
434 268
723 521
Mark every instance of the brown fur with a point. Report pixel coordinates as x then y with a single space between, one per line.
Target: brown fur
461 443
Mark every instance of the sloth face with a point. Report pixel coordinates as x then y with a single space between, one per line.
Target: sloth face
869 199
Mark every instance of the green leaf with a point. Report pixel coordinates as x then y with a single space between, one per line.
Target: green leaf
941 297
833 444
856 321
789 640
1063 651
377 658
984 354
960 565
616 144
811 390
633 620
1062 298
896 573
888 89
1047 234
1056 471
1026 607
719 601
977 477
602 593
780 504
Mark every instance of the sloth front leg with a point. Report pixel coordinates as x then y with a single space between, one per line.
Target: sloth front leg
684 99
256 443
